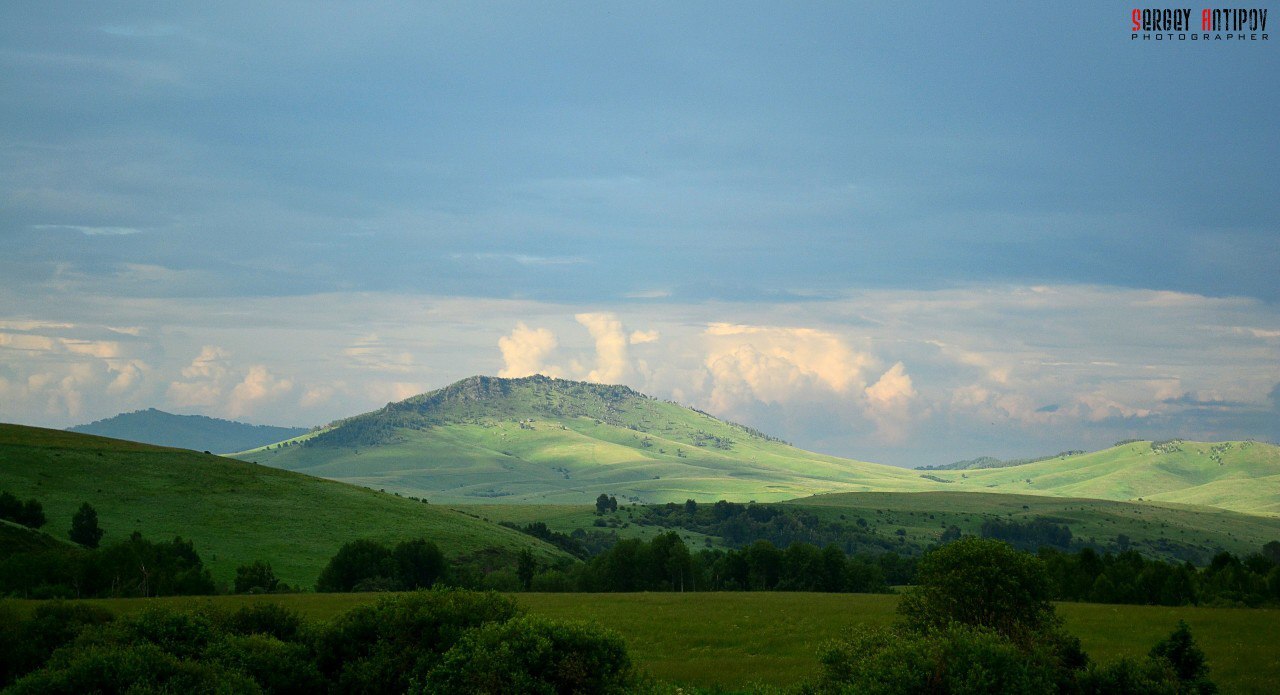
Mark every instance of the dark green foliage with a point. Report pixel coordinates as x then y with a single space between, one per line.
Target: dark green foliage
782 525
366 565
955 660
29 513
979 622
1186 659
563 541
532 655
276 666
270 619
419 563
256 578
135 668
134 567
26 644
1128 677
1028 535
666 564
382 648
355 563
980 583
526 567
433 641
84 527
1128 577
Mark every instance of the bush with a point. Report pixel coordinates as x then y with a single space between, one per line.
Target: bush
532 655
380 648
256 578
956 660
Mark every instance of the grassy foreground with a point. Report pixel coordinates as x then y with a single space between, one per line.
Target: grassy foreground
735 640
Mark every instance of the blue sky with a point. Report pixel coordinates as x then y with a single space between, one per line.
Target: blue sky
910 235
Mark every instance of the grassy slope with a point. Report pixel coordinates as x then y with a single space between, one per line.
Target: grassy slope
1157 529
235 512
15 538
736 639
537 442
1243 476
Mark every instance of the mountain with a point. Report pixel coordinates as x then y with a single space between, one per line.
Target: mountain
235 512
992 462
543 440
1243 476
195 432
546 440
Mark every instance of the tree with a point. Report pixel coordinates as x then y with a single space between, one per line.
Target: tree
84 527
1186 658
29 513
420 563
526 566
356 563
982 583
602 503
256 578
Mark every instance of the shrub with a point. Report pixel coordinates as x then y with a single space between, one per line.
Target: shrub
380 648
957 660
532 655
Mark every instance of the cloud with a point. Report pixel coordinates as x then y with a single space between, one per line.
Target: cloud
889 402
775 364
525 351
92 231
642 337
258 385
370 352
612 364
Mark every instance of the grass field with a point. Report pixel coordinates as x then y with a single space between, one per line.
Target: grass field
738 639
235 512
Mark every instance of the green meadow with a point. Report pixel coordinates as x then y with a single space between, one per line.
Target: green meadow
235 512
735 640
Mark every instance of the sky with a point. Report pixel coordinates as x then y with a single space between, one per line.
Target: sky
909 235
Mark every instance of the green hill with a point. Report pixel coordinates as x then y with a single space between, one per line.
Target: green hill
195 432
235 512
1242 476
554 441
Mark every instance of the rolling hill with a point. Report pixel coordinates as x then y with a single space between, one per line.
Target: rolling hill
235 512
195 432
554 441
1242 476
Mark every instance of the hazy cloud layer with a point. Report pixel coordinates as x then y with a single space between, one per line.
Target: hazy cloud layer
897 376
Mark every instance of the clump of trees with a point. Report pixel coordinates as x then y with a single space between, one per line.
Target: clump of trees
1128 577
420 642
367 565
29 513
135 567
980 621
